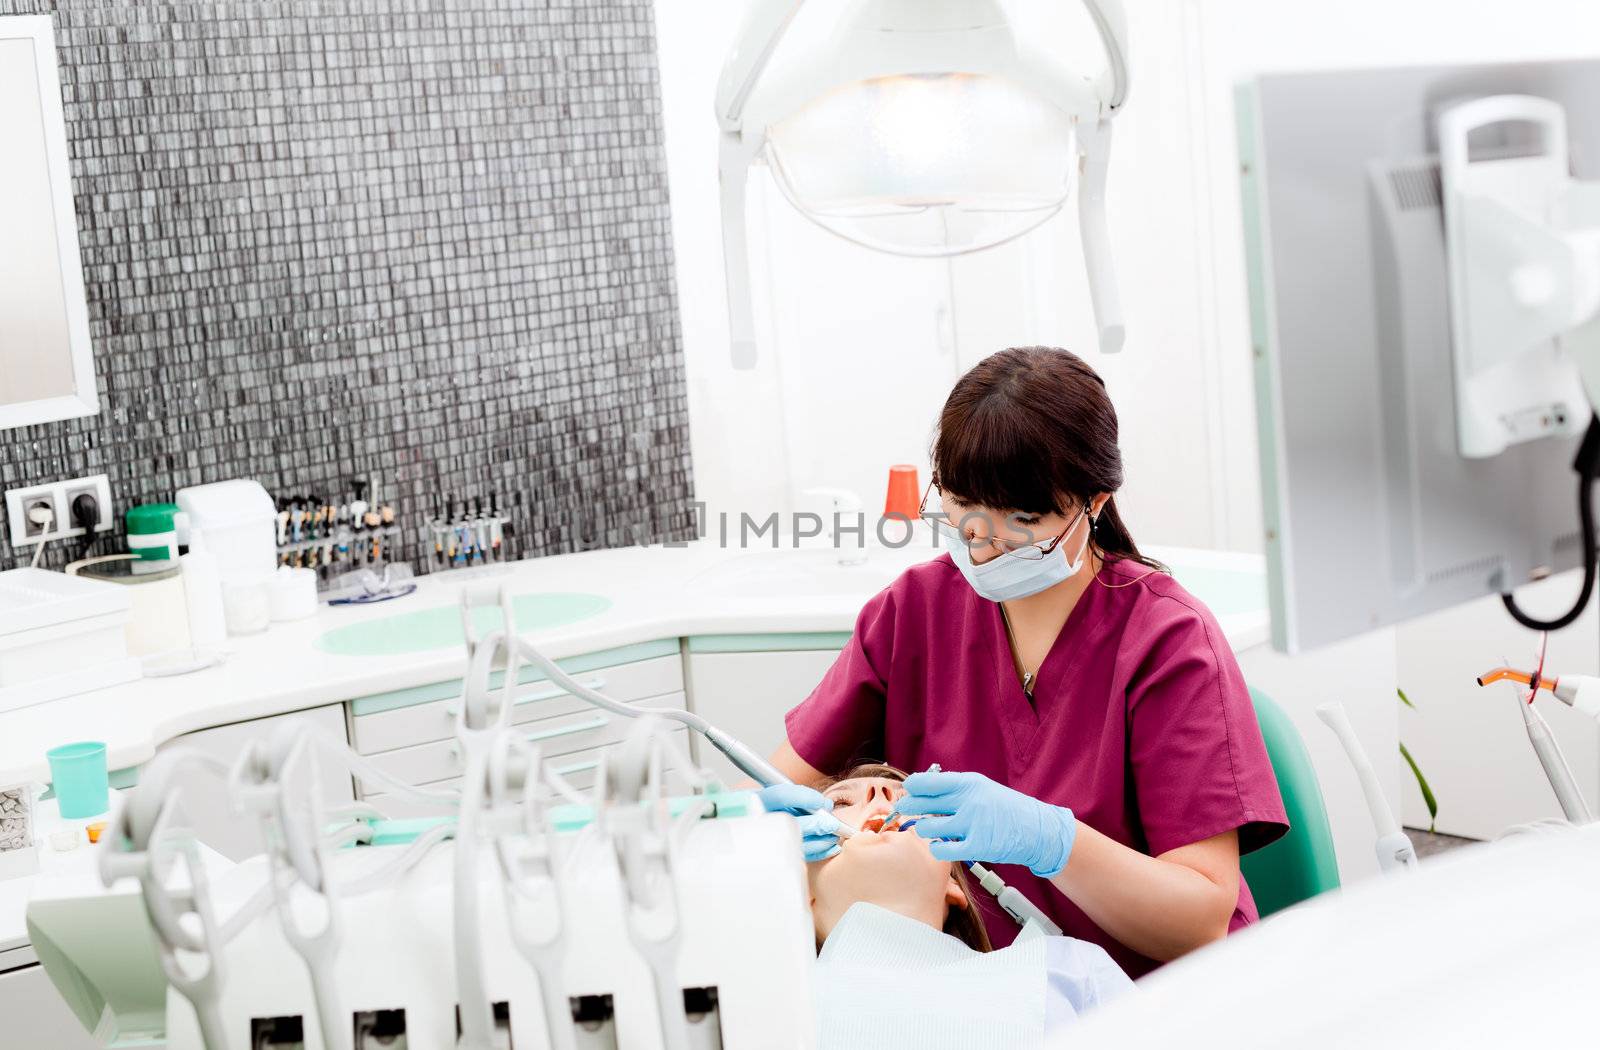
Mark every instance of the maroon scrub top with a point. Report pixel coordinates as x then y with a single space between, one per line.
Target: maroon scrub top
1140 720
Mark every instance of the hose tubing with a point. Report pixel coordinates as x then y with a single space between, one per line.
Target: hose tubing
1587 464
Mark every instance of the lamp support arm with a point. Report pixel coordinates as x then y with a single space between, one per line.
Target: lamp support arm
764 25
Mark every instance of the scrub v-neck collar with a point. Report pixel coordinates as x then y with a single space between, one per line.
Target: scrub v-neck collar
1021 718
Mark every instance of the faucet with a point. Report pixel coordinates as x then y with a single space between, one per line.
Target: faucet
844 502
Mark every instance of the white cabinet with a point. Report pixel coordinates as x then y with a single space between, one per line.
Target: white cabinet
33 1015
748 694
564 739
205 804
534 701
415 742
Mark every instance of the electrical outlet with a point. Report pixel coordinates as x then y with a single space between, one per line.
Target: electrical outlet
58 496
38 516
98 486
23 532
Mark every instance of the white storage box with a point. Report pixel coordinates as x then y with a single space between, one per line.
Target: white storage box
240 526
60 635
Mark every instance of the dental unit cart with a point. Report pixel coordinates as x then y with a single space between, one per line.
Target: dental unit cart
535 915
624 924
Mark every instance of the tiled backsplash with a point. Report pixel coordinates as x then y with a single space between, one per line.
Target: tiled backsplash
422 240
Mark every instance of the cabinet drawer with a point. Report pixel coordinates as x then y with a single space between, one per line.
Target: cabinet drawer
583 729
436 720
36 1015
580 769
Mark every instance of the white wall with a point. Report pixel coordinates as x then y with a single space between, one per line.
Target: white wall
858 349
736 435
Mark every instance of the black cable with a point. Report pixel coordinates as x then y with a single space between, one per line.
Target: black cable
1587 464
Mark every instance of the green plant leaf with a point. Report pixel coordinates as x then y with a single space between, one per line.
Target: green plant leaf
1422 782
1404 699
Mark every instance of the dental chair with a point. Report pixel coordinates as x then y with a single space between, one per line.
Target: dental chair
1301 864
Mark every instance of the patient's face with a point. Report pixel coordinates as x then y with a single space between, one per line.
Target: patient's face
895 866
864 800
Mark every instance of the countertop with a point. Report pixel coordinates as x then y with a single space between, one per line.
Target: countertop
655 592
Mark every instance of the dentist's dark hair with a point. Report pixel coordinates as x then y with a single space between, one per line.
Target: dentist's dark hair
1032 430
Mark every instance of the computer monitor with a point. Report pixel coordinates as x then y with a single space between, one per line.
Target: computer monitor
1372 515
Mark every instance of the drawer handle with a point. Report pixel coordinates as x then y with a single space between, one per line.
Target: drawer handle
597 722
578 767
551 694
454 706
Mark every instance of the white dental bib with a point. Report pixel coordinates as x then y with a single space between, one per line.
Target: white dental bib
887 982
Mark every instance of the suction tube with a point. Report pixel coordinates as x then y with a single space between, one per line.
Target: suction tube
748 762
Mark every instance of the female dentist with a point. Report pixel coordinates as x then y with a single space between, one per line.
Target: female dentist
1100 743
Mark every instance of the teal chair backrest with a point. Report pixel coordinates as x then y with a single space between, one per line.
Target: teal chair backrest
1302 863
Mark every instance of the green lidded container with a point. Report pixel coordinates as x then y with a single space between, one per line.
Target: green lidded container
153 531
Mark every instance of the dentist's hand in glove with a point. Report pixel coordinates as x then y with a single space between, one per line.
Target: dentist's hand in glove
973 818
819 829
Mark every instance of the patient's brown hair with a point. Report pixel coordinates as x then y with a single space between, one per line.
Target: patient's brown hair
964 924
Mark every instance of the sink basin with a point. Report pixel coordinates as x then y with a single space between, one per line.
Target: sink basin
1226 592
804 573
440 628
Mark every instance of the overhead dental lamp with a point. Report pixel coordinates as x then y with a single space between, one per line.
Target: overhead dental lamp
922 128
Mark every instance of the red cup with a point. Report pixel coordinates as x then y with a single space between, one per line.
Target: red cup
905 494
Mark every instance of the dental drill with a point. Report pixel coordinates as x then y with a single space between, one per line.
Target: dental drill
1580 692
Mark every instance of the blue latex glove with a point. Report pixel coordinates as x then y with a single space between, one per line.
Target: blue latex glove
819 829
975 818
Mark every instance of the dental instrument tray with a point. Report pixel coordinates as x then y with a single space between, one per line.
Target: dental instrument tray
365 586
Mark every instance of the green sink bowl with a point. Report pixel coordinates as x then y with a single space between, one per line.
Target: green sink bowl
440 628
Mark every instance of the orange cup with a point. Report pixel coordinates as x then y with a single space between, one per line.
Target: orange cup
905 494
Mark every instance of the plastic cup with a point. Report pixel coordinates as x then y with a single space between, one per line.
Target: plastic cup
82 783
905 495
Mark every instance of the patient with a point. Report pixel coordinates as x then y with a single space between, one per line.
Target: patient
903 958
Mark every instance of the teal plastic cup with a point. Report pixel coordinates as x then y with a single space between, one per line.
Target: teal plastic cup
78 774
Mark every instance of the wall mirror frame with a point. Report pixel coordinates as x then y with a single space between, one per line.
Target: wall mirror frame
46 361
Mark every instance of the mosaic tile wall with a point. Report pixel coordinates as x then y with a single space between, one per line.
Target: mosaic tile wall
422 241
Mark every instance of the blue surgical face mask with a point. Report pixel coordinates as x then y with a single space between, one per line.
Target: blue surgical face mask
1007 577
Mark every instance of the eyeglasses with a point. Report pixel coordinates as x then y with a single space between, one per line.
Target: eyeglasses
933 512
